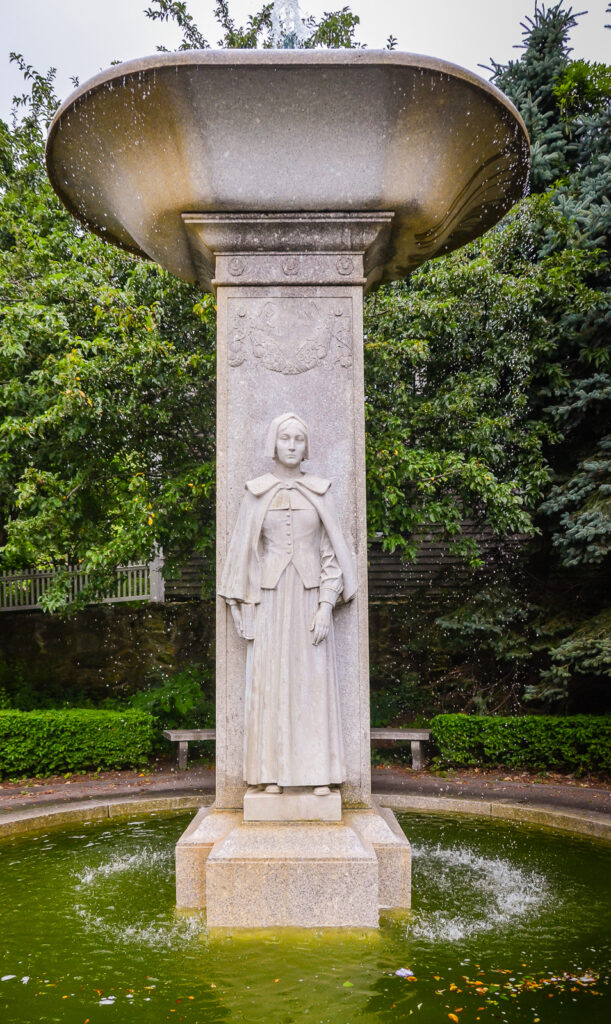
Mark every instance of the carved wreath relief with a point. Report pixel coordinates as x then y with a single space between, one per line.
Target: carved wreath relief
291 336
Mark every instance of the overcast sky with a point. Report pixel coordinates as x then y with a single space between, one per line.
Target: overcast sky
80 37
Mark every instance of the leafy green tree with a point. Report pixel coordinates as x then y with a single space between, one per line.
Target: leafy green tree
106 385
450 425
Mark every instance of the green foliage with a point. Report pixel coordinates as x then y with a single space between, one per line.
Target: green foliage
566 107
574 375
450 360
578 743
583 651
532 83
24 688
182 700
494 617
451 649
48 742
461 362
335 29
106 388
175 10
583 88
523 638
582 506
395 703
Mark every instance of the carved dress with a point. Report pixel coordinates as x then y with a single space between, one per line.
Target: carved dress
286 554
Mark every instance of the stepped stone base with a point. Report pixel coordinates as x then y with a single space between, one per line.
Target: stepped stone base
293 874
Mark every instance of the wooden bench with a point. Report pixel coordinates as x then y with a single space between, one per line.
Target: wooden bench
416 737
185 736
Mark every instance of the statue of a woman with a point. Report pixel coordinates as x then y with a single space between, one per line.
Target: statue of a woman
287 566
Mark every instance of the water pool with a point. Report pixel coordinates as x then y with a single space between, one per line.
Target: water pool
508 923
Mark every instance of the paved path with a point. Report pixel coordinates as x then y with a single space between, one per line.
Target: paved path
570 795
495 787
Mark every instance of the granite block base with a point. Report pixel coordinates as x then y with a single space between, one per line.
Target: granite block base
393 853
293 874
192 852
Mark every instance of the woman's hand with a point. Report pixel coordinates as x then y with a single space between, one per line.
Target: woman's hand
321 623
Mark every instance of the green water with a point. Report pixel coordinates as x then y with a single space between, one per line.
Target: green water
508 923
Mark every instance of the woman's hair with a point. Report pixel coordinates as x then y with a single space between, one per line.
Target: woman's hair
274 427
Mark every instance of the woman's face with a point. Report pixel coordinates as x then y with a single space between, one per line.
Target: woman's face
290 443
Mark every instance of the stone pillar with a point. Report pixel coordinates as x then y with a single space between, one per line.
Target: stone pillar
290 337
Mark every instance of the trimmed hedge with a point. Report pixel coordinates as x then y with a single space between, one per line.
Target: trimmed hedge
579 743
49 742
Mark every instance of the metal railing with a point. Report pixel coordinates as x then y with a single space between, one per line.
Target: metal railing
21 590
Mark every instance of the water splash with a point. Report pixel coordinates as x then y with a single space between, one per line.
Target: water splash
170 933
143 859
100 884
289 30
478 894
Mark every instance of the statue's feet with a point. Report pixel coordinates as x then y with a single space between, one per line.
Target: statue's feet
273 788
321 791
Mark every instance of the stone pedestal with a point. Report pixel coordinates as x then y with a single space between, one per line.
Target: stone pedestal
293 874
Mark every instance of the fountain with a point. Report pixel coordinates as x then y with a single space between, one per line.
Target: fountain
290 182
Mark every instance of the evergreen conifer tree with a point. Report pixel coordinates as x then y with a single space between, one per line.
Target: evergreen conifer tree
531 82
566 106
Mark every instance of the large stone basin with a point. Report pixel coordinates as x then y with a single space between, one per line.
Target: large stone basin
275 131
